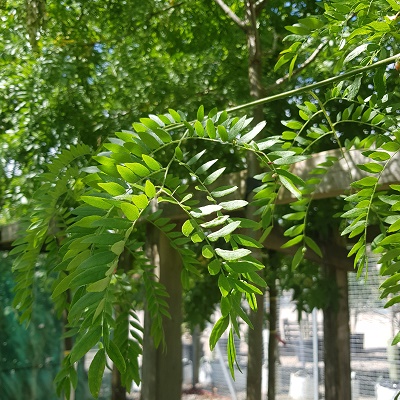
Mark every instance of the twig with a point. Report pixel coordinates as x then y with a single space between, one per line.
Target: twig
300 68
228 11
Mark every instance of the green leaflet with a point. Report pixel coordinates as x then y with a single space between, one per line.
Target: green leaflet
292 242
214 176
200 113
290 160
313 246
231 351
247 241
79 307
223 191
204 211
96 371
195 158
224 286
199 128
211 129
113 188
288 184
84 343
205 167
130 210
214 267
222 132
140 200
100 285
138 169
366 182
243 266
176 117
225 306
149 189
233 204
226 230
215 222
219 328
96 202
207 252
248 137
231 255
188 227
151 162
115 354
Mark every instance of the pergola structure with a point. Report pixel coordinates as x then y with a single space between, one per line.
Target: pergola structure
335 264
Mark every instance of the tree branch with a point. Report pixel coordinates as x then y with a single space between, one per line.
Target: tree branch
175 5
297 71
315 85
228 11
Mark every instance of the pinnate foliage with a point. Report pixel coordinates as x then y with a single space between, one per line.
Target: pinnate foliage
91 215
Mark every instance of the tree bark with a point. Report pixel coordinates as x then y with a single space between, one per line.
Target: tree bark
255 352
272 342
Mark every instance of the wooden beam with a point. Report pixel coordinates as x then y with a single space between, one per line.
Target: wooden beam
8 233
341 174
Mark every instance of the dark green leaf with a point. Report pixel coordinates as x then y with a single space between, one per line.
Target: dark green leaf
219 328
96 371
115 354
86 342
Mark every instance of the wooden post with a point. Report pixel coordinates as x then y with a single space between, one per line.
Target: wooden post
337 340
162 367
149 376
169 360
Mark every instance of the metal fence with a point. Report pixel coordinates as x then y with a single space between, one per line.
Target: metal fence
375 363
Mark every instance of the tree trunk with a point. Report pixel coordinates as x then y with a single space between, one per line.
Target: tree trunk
337 340
255 352
272 342
118 392
162 367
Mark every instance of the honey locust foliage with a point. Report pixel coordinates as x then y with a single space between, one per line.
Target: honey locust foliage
132 181
363 31
139 176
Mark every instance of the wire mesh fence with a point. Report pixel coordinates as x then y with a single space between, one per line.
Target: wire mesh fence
375 364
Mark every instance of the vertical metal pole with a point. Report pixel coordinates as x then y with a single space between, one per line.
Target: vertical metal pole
315 354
